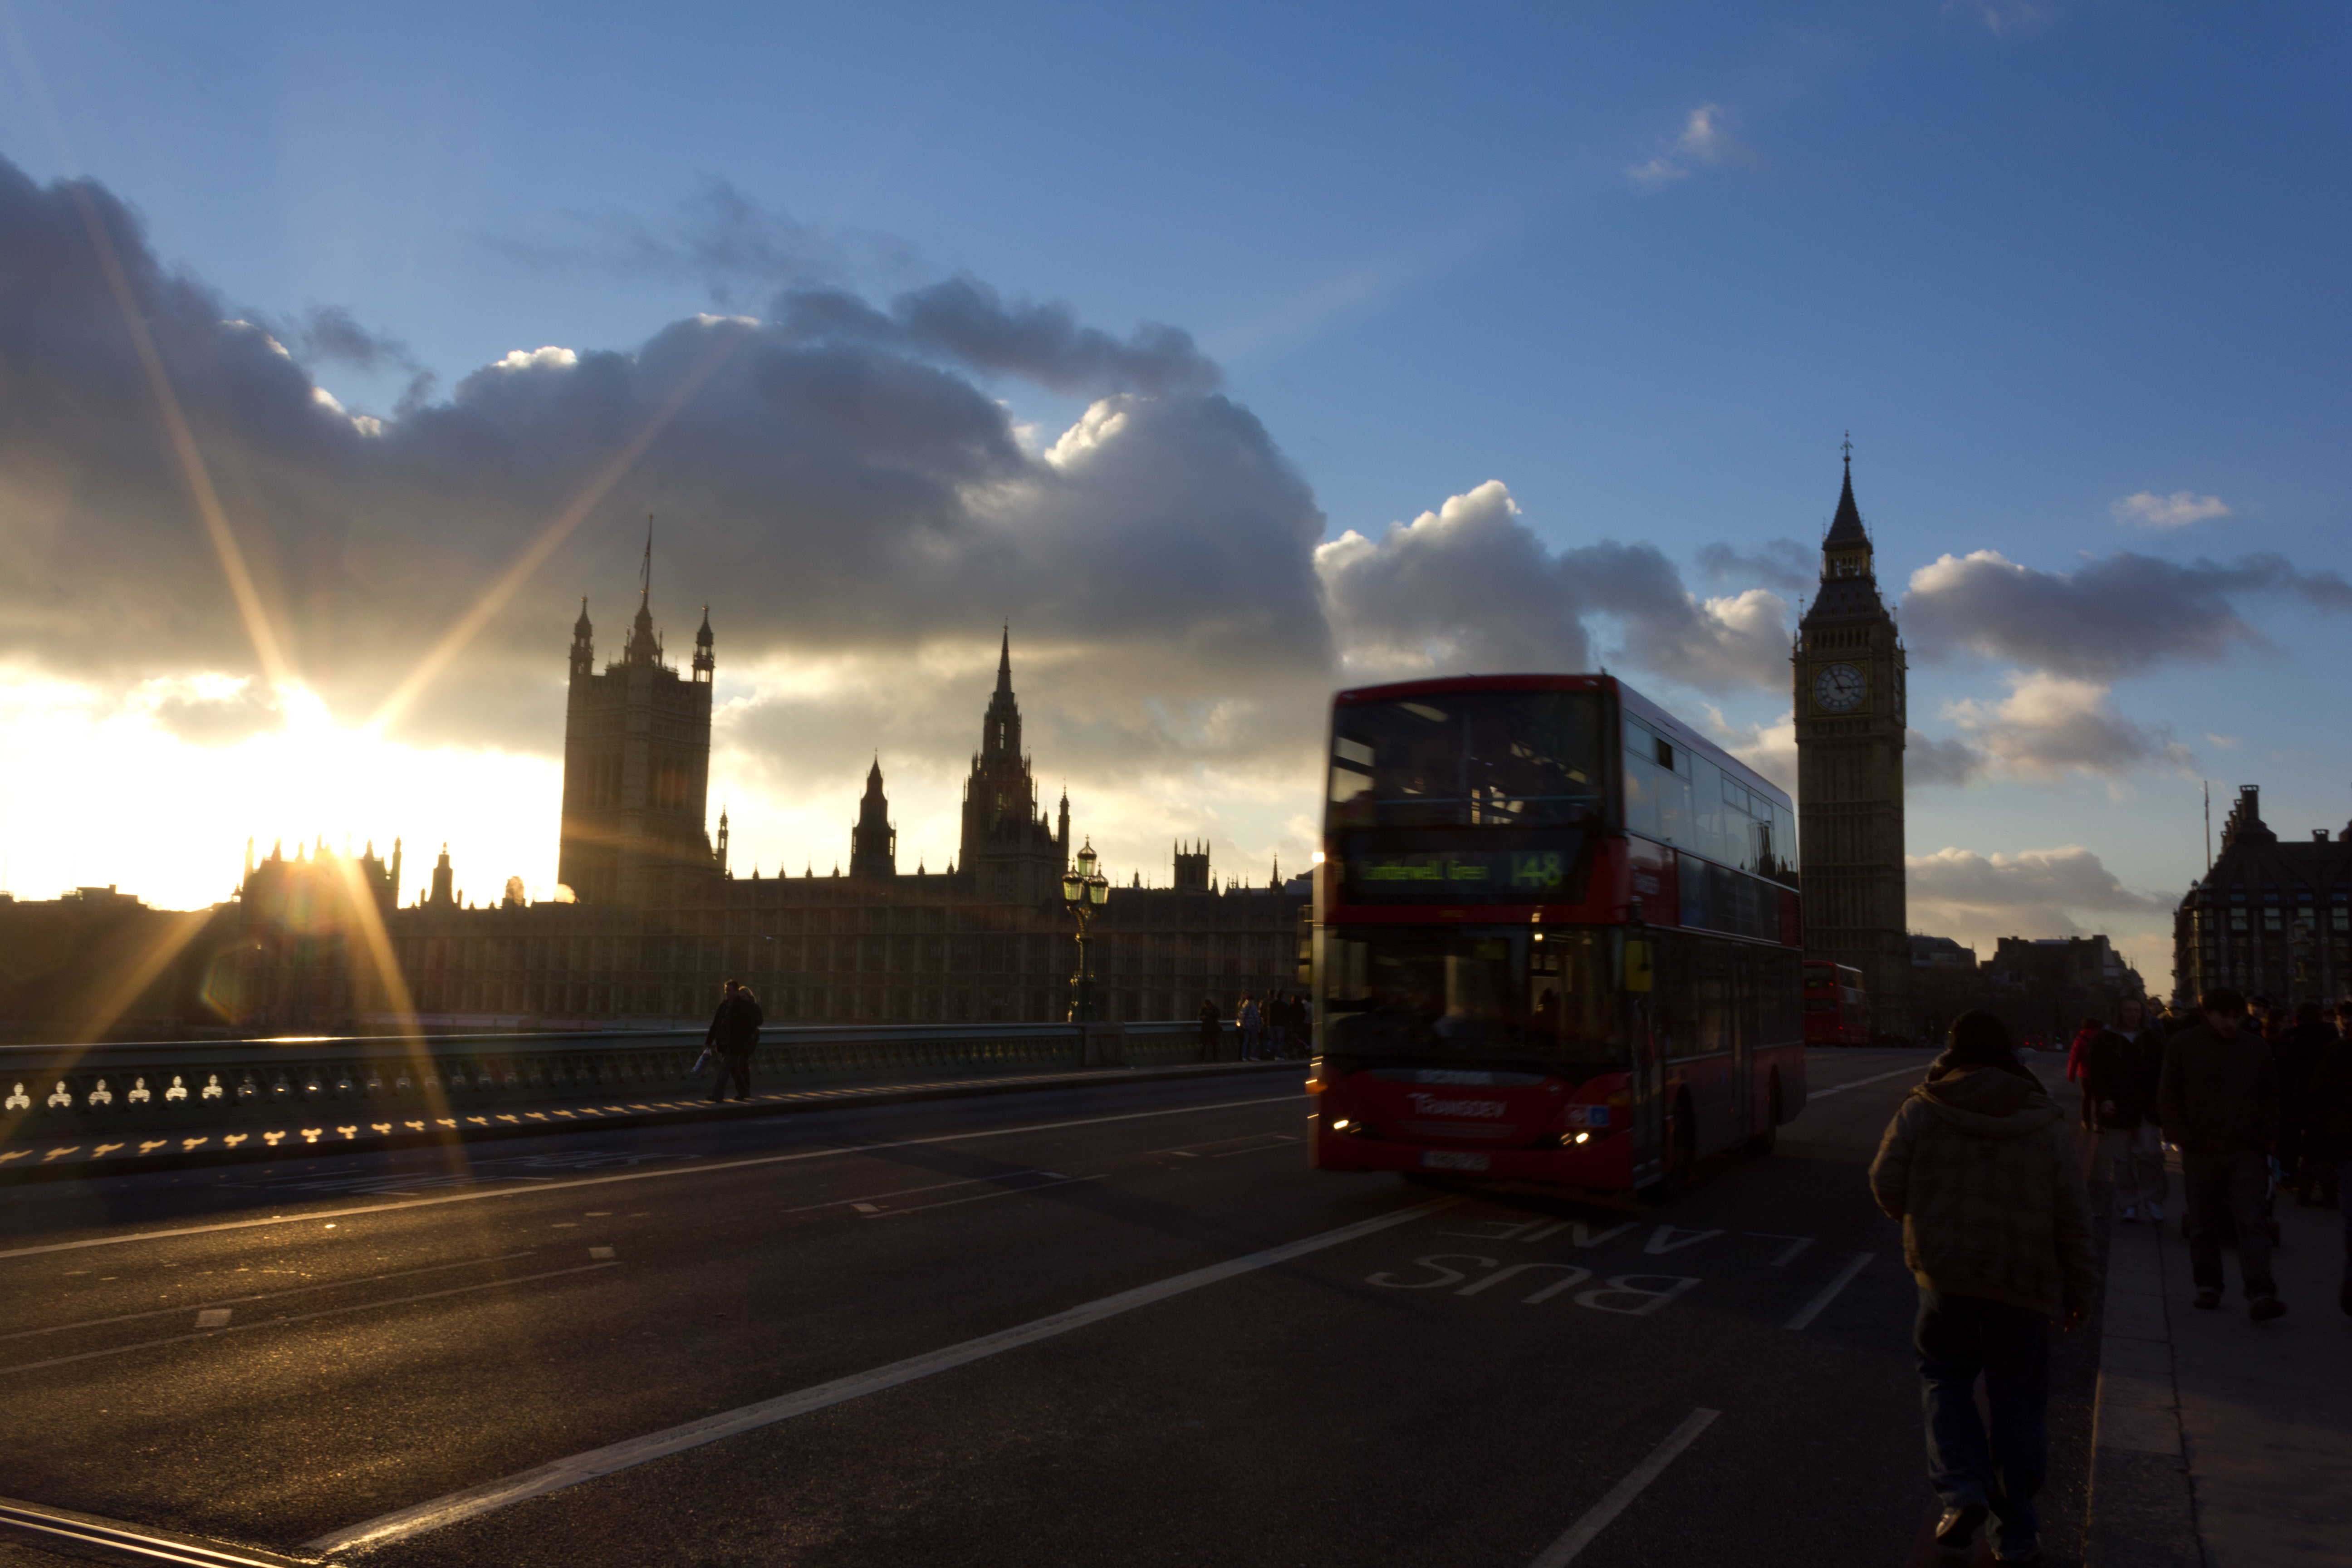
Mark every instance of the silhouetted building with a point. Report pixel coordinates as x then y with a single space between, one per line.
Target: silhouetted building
636 766
2273 917
1849 667
874 842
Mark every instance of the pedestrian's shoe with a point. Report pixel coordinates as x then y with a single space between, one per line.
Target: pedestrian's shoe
2265 1308
1958 1526
2209 1300
2155 1214
2131 1214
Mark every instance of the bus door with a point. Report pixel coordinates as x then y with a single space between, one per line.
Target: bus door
1645 1076
1746 1004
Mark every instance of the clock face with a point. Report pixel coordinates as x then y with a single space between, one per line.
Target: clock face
1838 688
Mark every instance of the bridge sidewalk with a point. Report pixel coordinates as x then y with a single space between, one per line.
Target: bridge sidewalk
2221 1442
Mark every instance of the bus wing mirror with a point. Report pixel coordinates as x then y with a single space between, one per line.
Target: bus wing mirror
1637 966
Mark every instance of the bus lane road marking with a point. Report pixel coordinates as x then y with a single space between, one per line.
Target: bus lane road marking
682 1169
568 1472
1647 1292
1811 1095
1600 1515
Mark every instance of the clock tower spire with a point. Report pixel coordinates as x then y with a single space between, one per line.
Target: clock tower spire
1849 667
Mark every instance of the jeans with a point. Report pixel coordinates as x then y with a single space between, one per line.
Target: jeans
1249 1045
2235 1184
1958 1337
2137 1157
738 1066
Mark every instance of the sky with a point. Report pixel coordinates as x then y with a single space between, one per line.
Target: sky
1229 354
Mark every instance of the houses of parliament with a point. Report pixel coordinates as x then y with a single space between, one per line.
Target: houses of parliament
659 920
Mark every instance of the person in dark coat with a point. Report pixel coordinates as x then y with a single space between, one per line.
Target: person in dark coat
2219 1104
1213 1028
2295 1052
2327 1131
2121 1069
734 1035
1980 1168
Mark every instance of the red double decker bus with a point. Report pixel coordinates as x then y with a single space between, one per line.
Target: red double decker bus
1837 1010
1557 938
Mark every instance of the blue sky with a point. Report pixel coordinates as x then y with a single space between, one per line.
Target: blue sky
1645 266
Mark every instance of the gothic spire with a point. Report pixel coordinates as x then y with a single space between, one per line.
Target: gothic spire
1004 662
1846 530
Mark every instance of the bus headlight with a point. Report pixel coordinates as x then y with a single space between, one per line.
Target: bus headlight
1340 1126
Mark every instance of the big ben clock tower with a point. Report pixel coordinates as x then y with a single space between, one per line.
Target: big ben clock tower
1848 665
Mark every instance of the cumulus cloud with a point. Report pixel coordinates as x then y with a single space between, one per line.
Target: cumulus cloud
1781 563
2119 614
2035 892
2179 510
1470 587
2051 726
834 480
1702 143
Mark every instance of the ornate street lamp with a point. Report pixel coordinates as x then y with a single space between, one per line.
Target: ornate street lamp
1085 892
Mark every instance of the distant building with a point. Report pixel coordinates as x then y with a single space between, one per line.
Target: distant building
97 963
1850 668
659 918
2273 918
2045 986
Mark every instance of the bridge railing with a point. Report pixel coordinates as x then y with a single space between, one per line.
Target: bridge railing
49 1090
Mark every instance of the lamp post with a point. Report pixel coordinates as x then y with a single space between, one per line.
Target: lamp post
1085 891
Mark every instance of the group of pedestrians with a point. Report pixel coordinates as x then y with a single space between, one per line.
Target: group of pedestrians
1277 1027
1986 1177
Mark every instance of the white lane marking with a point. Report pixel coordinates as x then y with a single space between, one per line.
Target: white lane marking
259 1296
1600 1516
303 1318
1000 1191
1797 1243
212 1318
551 1478
1671 1238
871 1202
1813 1309
1857 1083
554 1184
600 1252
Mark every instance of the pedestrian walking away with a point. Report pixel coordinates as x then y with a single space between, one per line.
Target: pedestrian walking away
2123 1067
1251 1025
1979 1166
1277 1025
2295 1052
2218 1101
734 1035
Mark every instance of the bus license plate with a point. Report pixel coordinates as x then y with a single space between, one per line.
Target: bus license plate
1452 1160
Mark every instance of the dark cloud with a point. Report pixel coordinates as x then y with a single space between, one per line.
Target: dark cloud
332 332
2115 617
966 322
1470 587
1783 564
832 489
1929 762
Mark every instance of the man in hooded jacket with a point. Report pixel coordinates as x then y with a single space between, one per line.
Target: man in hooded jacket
2220 1104
1980 1167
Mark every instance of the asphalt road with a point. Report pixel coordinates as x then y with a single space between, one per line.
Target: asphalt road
279 1354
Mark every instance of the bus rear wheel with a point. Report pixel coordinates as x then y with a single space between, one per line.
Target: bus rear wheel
1761 1144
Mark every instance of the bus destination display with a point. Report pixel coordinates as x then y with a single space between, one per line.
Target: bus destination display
1409 868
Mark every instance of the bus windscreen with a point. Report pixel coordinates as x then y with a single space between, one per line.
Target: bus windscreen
1471 759
1474 993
